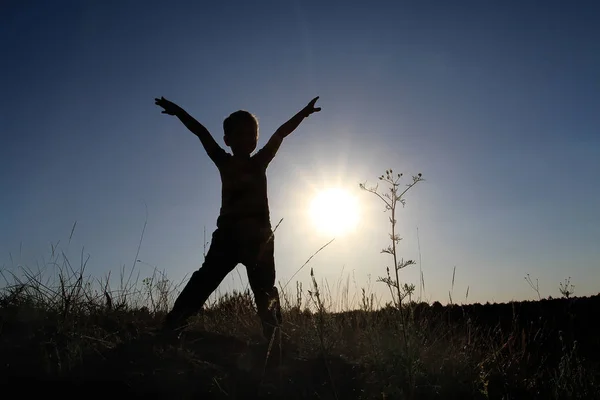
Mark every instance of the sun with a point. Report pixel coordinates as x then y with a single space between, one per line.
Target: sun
334 212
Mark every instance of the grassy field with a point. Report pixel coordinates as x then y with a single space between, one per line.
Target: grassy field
76 337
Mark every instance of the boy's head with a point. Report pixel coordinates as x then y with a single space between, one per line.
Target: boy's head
241 132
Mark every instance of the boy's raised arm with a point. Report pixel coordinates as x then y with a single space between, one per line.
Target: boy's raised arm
214 151
293 122
270 149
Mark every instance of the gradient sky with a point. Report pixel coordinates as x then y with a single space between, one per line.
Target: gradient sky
496 103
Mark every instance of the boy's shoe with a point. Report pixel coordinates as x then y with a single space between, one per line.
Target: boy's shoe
170 330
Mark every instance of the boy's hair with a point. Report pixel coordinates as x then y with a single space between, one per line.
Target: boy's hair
238 118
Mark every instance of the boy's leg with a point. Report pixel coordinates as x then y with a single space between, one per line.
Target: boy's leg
220 261
261 276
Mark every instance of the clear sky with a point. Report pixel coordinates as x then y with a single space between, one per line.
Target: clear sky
496 103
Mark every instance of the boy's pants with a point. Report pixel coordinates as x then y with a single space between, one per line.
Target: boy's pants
229 247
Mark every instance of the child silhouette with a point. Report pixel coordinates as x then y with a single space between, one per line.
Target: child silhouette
243 233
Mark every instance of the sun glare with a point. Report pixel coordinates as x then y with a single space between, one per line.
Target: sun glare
334 212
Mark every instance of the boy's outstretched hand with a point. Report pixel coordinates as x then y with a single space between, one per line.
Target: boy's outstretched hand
169 107
310 107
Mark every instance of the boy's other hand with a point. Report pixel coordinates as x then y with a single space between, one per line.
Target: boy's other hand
169 107
310 107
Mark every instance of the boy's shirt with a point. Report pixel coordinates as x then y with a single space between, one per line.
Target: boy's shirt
244 186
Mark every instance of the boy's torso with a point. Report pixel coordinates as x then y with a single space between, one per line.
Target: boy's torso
244 193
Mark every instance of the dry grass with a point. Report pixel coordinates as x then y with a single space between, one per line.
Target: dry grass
72 329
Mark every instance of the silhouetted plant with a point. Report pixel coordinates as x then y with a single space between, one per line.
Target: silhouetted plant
391 197
535 287
566 289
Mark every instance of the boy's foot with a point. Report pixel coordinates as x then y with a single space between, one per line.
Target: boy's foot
167 334
170 330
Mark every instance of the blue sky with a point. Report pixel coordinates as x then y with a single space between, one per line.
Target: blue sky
496 103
